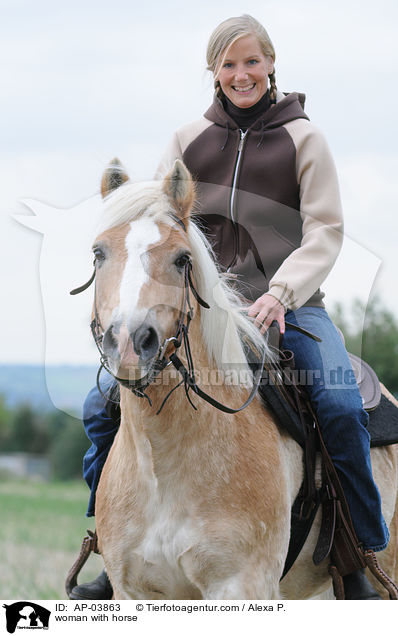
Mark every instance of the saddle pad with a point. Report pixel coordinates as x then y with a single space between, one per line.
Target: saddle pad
383 424
383 420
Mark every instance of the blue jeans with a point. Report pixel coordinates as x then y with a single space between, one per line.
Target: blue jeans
336 399
101 429
335 396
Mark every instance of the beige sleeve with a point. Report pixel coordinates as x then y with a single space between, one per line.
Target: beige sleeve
173 151
178 144
306 268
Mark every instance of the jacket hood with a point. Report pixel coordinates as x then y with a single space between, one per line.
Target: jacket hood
288 107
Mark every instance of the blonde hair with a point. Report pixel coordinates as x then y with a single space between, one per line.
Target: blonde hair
226 33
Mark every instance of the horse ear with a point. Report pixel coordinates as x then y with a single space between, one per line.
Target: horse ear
113 177
180 188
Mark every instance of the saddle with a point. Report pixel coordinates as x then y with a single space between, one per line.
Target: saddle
277 394
367 380
293 410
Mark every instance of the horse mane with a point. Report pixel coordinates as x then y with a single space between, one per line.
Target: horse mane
227 331
131 201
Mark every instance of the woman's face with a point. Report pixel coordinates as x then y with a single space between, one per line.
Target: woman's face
244 71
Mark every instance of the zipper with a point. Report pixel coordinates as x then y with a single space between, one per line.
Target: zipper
232 198
235 177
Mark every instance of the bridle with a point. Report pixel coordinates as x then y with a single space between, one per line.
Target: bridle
160 362
181 337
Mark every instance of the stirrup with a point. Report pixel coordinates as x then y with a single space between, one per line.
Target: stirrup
89 544
372 563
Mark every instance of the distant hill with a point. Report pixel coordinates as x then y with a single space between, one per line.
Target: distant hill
27 383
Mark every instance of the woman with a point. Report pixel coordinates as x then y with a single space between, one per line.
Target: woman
269 203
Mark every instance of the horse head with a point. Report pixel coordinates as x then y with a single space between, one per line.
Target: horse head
141 254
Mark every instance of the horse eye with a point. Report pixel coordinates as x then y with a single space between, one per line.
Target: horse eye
182 260
99 255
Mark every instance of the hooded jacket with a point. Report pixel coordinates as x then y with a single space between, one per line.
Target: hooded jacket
268 199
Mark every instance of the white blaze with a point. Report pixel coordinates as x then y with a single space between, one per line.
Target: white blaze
143 232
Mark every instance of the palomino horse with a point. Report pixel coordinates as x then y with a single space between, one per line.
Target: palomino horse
193 504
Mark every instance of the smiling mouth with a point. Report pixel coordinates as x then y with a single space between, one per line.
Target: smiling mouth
243 89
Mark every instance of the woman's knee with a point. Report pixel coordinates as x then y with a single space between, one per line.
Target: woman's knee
93 404
341 410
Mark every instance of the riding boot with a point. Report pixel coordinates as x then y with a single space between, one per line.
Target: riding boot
99 589
358 588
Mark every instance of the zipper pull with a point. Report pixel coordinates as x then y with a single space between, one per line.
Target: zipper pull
242 137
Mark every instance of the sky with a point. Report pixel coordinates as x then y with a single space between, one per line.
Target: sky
82 82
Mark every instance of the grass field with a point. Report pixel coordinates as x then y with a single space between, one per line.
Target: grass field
41 529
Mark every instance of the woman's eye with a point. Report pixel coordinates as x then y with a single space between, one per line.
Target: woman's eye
227 65
182 260
253 62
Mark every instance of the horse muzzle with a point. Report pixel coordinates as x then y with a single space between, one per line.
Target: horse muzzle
129 352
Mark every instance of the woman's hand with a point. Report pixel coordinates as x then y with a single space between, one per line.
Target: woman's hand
266 309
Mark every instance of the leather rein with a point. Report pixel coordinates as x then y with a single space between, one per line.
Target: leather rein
181 337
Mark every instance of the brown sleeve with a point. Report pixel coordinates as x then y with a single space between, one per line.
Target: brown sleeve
178 144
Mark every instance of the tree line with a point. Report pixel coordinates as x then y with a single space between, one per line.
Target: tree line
55 434
372 334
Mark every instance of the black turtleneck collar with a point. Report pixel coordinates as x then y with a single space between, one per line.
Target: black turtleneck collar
245 117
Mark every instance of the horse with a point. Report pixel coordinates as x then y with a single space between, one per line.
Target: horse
193 502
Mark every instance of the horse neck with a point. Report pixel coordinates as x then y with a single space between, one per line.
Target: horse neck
178 431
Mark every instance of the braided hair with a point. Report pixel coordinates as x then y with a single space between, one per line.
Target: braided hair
273 89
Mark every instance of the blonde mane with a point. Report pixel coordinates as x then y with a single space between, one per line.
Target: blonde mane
226 329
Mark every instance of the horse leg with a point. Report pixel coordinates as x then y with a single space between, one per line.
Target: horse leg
388 559
385 468
257 579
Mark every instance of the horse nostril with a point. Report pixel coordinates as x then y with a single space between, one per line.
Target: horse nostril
146 342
